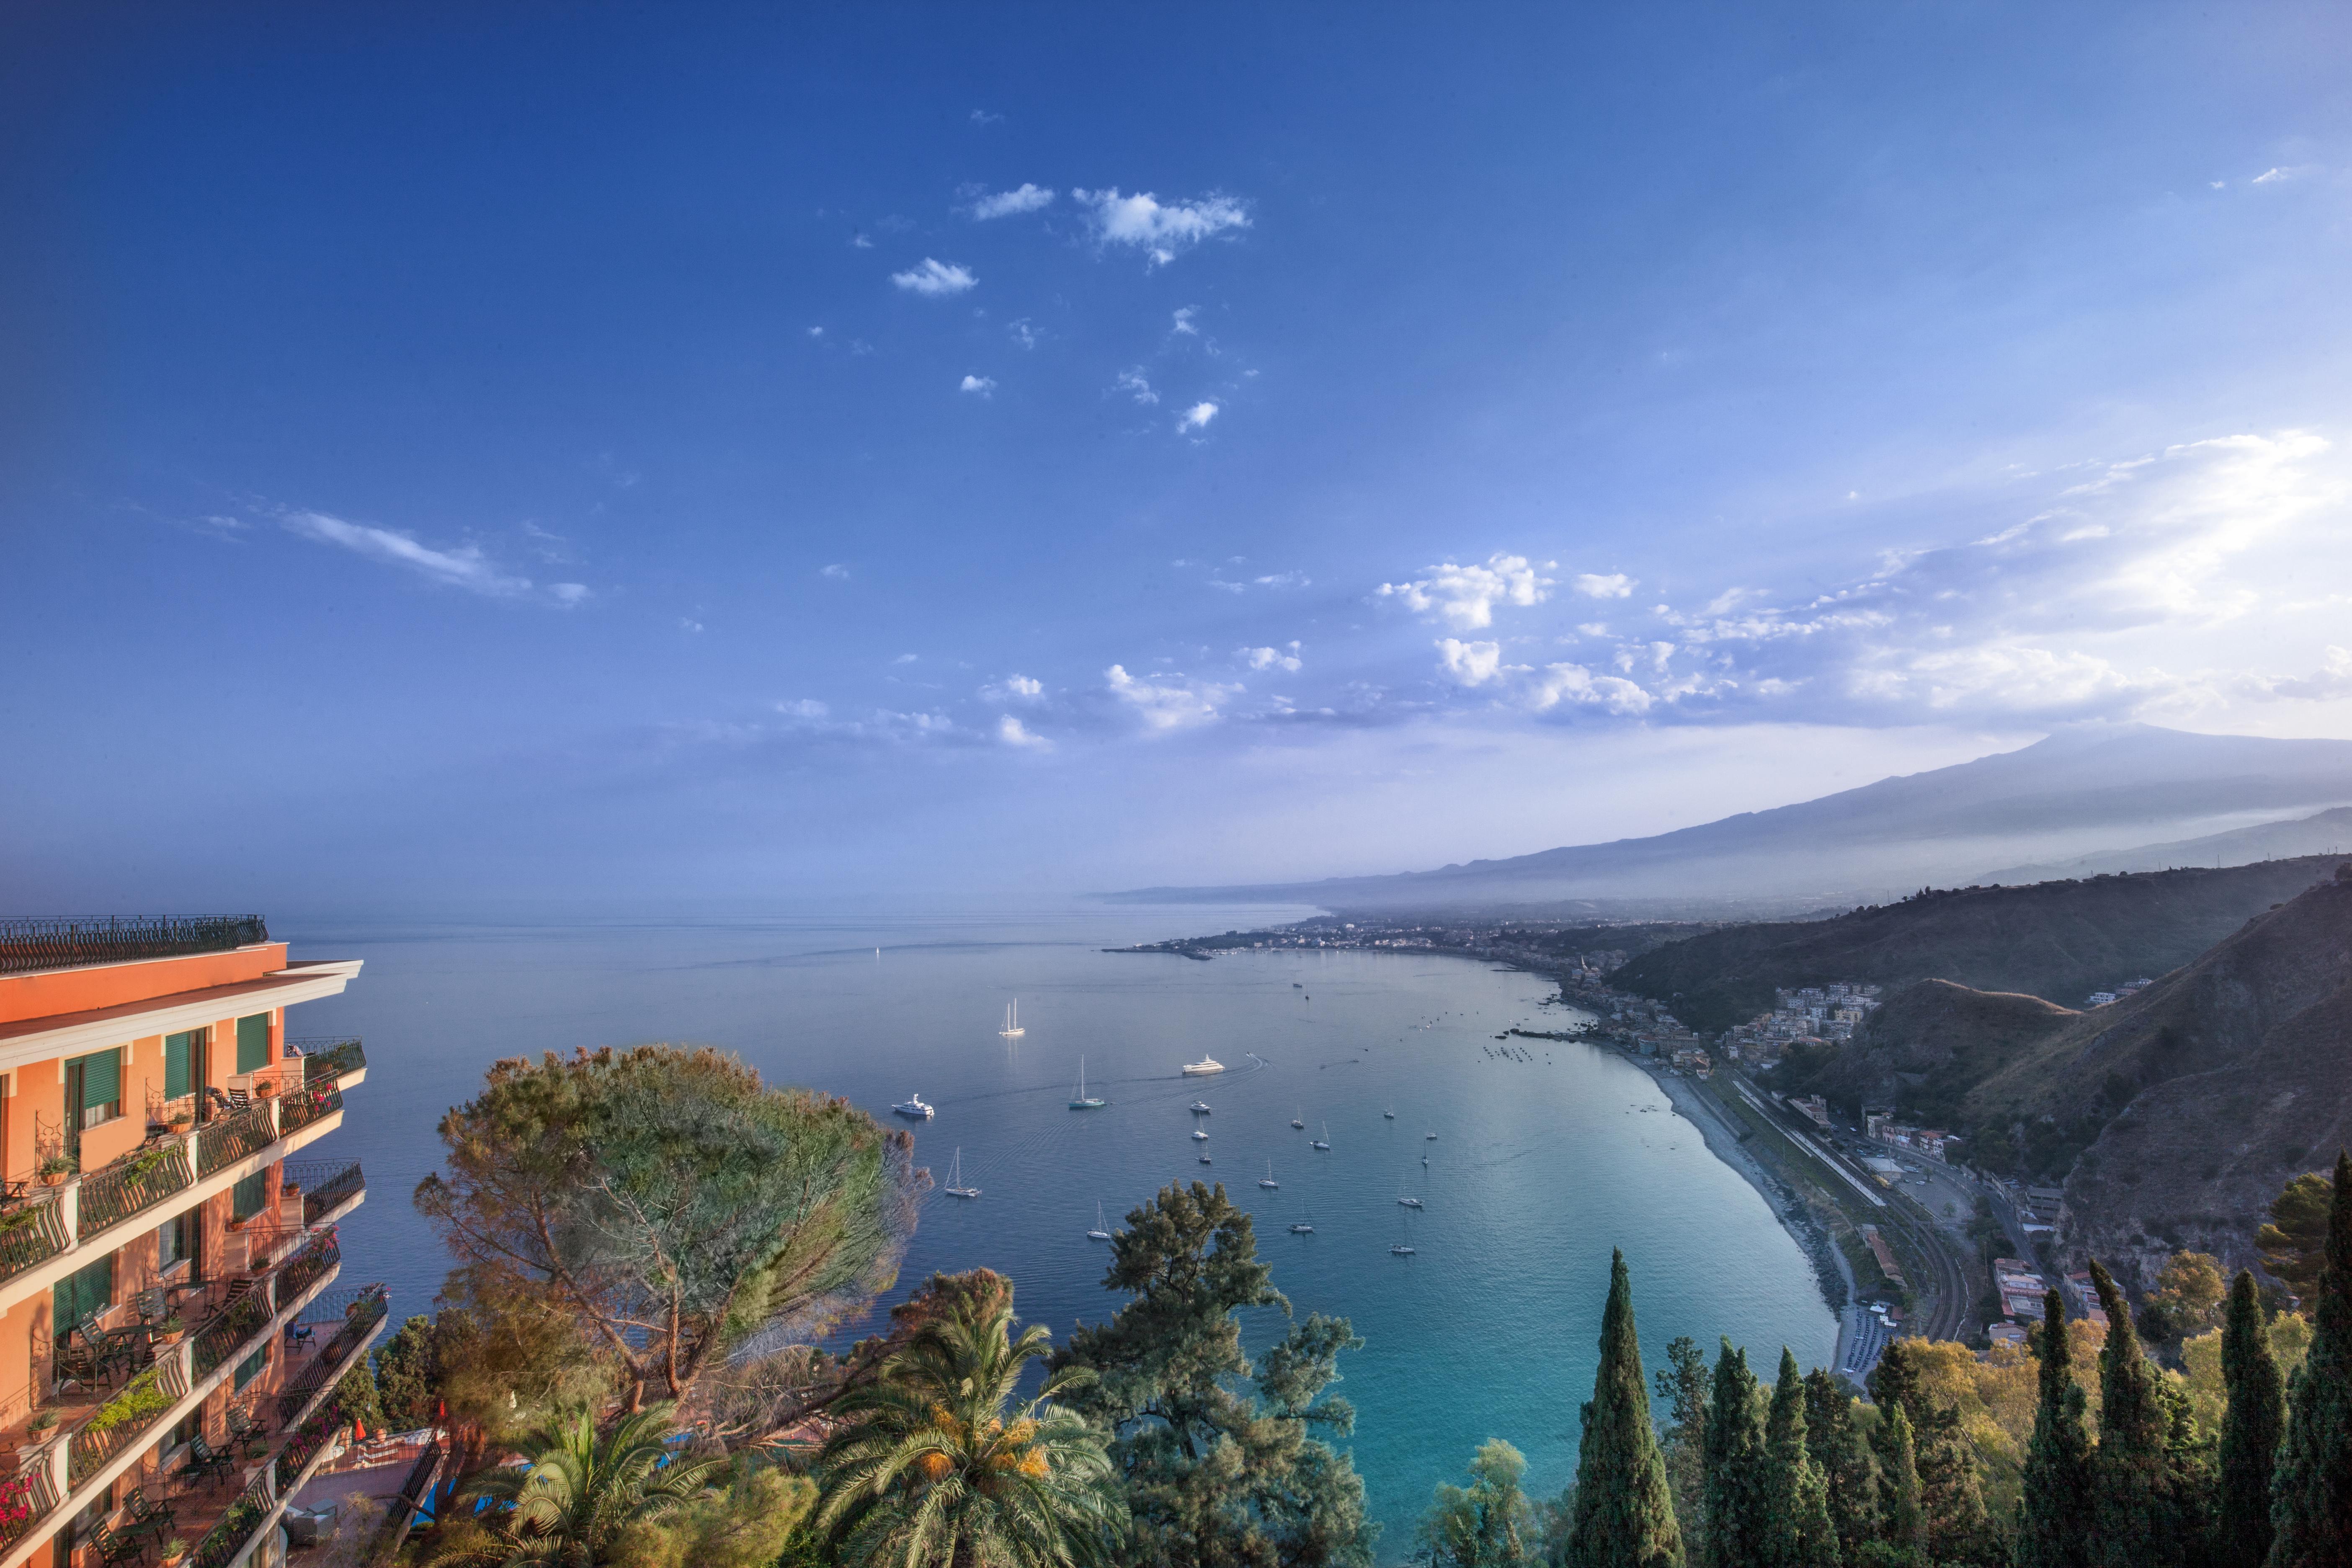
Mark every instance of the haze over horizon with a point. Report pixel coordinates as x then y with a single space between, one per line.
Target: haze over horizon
671 456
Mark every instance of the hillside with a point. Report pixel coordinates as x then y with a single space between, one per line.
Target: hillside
2327 833
2058 941
2207 1089
2083 790
1927 1046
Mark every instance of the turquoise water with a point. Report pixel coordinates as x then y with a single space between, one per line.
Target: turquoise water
1538 1167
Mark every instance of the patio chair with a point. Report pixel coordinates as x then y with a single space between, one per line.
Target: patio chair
117 1351
206 1463
76 1359
149 1304
114 1546
147 1518
244 1433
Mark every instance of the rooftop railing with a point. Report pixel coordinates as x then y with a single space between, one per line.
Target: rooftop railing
27 946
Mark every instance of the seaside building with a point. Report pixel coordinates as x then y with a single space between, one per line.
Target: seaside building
174 1320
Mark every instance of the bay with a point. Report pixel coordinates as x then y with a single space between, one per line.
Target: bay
1546 1155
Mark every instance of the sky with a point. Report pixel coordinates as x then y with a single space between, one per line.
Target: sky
626 457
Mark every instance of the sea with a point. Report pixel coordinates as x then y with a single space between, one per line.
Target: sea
1532 1158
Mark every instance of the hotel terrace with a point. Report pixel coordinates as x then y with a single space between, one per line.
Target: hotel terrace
173 1325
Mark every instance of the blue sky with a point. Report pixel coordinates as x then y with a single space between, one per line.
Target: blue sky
459 457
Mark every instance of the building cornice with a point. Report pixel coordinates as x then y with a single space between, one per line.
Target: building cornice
76 1034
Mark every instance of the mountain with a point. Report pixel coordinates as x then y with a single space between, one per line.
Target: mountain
2328 833
2055 941
2080 791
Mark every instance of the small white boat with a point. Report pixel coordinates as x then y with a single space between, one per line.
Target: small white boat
1400 1250
1389 1114
1305 1223
1409 1203
1201 1108
1013 1029
1203 1068
1206 1160
913 1106
1430 1137
1267 1180
1323 1142
1080 1099
1101 1231
1199 1136
955 1188
1298 1123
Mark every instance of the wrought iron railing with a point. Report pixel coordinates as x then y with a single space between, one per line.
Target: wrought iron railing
232 1137
131 1185
228 1330
31 1234
303 1270
298 1108
360 1315
326 1187
316 1434
124 1420
27 1498
227 1539
327 1056
26 945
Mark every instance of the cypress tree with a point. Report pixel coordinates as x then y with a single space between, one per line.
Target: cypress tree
1797 1498
1898 1479
1952 1524
2251 1428
1734 1456
1838 1452
2053 1518
2311 1489
2135 1513
1624 1514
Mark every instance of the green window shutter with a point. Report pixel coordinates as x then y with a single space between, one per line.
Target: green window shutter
177 1056
102 1078
253 1043
251 1367
82 1295
245 1199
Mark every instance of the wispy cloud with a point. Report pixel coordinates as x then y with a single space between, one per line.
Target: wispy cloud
1136 384
1168 702
1615 585
839 572
1013 688
1027 198
1020 331
1197 417
1464 596
1282 658
1161 230
1012 732
458 566
936 279
1184 324
984 386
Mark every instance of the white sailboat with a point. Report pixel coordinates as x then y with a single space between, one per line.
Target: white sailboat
1305 1223
1080 1099
1403 1248
955 1188
1101 1231
1295 1121
1267 1180
1389 1113
1013 1029
1323 1142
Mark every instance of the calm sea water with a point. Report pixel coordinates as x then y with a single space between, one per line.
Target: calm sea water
1540 1167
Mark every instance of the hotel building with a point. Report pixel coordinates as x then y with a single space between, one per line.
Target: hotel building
174 1320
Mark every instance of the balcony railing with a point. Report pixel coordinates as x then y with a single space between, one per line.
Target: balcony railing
28 945
30 1234
298 1108
26 1499
226 1539
125 1420
326 1187
303 1270
226 1141
229 1328
326 1057
360 1315
315 1434
131 1185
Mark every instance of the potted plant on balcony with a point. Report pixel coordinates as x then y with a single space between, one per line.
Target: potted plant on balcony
54 1170
169 1330
44 1422
176 1552
180 1118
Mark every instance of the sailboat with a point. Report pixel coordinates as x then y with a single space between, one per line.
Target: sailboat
1305 1223
1199 1136
1013 1029
1298 1123
1267 1180
1101 1231
1389 1114
1403 1248
1409 1203
955 1188
1080 1099
1323 1142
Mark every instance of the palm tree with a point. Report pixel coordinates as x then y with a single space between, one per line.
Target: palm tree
930 1472
570 1503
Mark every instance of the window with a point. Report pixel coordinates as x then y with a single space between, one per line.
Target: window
81 1295
253 1043
175 1241
182 1057
246 1198
94 1087
252 1366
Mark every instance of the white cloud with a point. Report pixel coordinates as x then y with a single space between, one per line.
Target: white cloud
816 332
1465 597
1197 417
460 566
567 594
1020 333
1012 732
837 571
904 659
806 708
983 117
1184 321
1469 663
1615 585
984 386
1027 198
1161 231
935 280
1283 580
687 623
1575 684
1013 688
859 242
2280 175
1162 706
1137 385
1269 658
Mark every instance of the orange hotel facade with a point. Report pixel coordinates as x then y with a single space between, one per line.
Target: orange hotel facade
172 1317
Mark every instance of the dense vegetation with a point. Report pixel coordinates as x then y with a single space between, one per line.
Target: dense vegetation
1154 1439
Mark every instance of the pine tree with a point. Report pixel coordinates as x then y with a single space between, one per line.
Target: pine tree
1952 1524
1735 1457
1797 1500
1624 1512
1898 1479
2136 1507
1684 1387
2311 1491
2251 1428
1836 1444
2054 1516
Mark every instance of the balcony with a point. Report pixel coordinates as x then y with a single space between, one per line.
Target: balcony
131 1186
27 947
326 1057
329 1190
